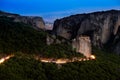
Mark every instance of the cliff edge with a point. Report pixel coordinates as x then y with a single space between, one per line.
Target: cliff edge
103 28
35 21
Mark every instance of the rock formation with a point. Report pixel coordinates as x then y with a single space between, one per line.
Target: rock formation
102 28
50 40
34 21
82 44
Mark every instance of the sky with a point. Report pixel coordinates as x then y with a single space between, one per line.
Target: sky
55 9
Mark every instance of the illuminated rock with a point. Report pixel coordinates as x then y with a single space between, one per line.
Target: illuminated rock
82 44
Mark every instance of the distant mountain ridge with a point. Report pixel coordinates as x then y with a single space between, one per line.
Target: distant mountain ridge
34 21
102 27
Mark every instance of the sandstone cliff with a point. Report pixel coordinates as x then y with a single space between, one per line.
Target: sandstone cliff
34 21
82 44
103 28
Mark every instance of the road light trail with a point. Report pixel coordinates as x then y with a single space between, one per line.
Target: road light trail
2 60
63 61
52 60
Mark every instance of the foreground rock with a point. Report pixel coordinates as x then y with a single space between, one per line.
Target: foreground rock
103 28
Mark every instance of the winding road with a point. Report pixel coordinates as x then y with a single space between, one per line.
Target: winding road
51 60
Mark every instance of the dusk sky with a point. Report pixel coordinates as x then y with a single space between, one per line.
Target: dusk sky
53 9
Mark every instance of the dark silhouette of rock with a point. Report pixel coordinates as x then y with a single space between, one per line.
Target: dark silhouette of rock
34 21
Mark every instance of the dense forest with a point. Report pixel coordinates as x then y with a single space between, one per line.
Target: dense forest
22 40
105 67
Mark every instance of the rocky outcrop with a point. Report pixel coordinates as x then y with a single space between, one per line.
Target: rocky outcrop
101 27
34 21
82 44
52 39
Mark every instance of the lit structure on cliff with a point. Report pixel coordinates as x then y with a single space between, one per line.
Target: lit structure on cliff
82 44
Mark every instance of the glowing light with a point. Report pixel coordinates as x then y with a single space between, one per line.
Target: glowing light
84 59
46 61
2 60
60 61
65 60
51 60
92 57
80 59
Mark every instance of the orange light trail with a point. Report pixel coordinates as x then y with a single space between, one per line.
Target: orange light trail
63 61
50 60
2 60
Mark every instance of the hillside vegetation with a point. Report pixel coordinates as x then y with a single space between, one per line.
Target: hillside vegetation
105 67
23 41
20 37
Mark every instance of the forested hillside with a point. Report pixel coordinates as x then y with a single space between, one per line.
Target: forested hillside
105 67
20 37
23 41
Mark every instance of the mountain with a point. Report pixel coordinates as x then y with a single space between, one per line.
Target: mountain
16 36
21 37
27 44
35 21
103 28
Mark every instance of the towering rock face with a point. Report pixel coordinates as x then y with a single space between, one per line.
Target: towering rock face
101 27
36 22
82 44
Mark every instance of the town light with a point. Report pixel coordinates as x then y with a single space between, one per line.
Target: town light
92 57
5 58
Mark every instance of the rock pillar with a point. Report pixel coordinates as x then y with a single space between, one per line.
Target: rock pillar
82 44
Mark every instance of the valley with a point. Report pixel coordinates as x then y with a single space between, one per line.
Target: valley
80 47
